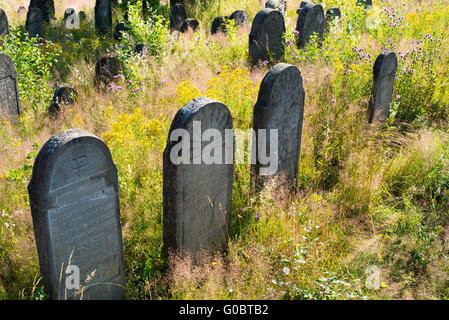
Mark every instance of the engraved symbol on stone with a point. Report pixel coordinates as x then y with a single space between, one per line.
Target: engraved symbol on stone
79 162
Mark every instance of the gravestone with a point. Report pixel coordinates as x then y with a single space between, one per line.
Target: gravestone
106 68
331 15
240 17
198 196
82 16
74 199
384 72
9 90
191 24
142 49
4 25
310 21
368 4
266 40
64 95
22 10
177 16
280 5
68 12
35 22
279 106
219 24
47 8
103 16
120 28
71 20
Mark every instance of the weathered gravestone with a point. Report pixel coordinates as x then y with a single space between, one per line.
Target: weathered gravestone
368 4
142 49
191 24
82 16
35 22
384 72
331 15
219 24
9 90
280 5
120 28
310 21
103 16
106 68
64 95
4 26
71 20
47 8
279 107
240 17
74 198
177 16
266 40
197 191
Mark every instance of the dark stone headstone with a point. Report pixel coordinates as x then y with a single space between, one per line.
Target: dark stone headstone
219 24
191 24
82 16
240 17
266 40
4 25
74 198
120 28
331 15
9 90
47 8
280 5
384 72
103 16
198 196
106 68
279 106
310 21
35 22
64 95
142 49
177 16
366 3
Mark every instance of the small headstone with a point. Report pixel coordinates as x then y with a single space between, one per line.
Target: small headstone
81 16
177 16
191 24
219 24
106 68
266 39
279 106
9 90
198 195
4 25
240 17
35 22
103 16
384 72
310 21
368 4
64 95
120 28
22 10
68 12
47 8
70 19
142 49
280 5
74 199
331 15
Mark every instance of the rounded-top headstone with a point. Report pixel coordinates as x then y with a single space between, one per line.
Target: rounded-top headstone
219 24
191 24
74 198
4 26
240 17
64 95
266 41
177 16
333 13
9 90
280 5
106 68
310 21
35 22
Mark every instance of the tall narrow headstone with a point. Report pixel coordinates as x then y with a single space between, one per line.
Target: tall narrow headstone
266 40
310 21
384 72
9 90
280 108
103 16
47 8
4 26
177 16
35 22
280 5
74 198
198 191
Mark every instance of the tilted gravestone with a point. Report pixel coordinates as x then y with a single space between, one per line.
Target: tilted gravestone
64 95
9 90
280 5
219 24
106 68
4 25
177 16
240 17
266 41
74 198
191 24
103 16
35 22
198 192
47 8
384 72
310 21
279 107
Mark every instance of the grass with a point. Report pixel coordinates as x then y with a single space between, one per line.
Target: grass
367 195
